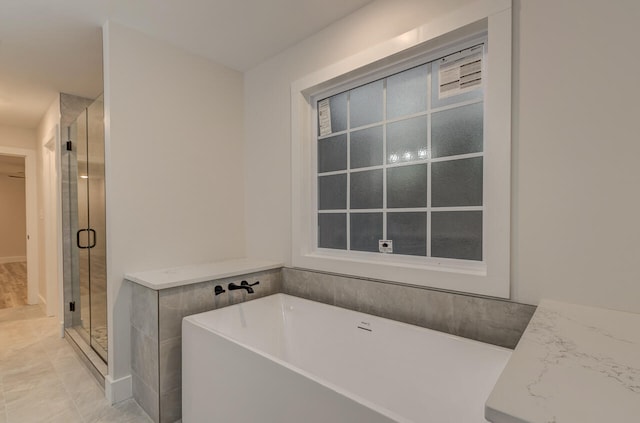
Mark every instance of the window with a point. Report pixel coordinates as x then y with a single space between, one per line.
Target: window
388 147
400 161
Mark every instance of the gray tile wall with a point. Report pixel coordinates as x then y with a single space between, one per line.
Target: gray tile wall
157 318
489 320
145 370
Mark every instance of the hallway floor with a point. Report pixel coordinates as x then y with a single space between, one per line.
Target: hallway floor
13 284
42 379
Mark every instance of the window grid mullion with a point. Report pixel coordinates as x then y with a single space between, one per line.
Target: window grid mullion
429 209
428 229
348 214
384 159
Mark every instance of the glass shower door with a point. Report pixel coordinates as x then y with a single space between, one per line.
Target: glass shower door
87 223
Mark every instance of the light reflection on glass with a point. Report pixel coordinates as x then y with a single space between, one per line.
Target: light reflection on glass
424 154
407 156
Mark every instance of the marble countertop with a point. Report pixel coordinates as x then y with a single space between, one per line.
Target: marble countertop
573 364
185 275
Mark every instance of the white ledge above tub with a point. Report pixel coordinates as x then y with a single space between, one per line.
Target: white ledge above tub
195 273
573 364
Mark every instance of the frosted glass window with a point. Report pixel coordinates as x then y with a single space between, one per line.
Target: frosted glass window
396 166
366 231
407 186
407 140
332 192
457 235
407 92
366 104
366 189
332 153
408 231
457 183
366 147
332 230
457 131
338 109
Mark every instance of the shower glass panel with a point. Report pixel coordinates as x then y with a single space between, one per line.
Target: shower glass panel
82 234
97 225
85 224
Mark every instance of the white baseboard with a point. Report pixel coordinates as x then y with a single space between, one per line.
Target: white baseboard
118 390
13 259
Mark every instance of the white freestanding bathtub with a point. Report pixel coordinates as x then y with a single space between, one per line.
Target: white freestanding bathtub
282 359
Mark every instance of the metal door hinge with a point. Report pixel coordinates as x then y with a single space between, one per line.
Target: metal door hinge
69 146
72 306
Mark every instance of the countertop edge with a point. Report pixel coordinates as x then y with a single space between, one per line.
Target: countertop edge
144 278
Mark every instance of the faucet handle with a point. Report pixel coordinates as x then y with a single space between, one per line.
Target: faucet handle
219 290
245 283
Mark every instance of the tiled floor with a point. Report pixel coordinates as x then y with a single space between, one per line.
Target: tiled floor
42 380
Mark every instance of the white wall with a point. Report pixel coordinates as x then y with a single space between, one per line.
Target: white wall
15 137
576 150
175 172
13 218
49 218
575 231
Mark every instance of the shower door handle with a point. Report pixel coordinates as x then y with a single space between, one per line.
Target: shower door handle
93 244
78 239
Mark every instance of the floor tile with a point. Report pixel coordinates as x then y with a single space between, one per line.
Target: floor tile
43 381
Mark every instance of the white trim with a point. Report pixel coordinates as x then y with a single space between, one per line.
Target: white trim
31 192
42 301
12 259
117 390
491 16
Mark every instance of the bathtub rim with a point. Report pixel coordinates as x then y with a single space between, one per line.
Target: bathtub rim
192 319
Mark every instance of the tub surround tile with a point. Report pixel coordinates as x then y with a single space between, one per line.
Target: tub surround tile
310 285
573 364
171 406
144 358
488 320
146 397
179 302
170 364
433 309
483 319
144 310
157 326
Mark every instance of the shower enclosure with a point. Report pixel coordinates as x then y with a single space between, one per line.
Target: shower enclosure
85 277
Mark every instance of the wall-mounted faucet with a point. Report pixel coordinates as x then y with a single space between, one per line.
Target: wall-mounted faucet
243 285
219 290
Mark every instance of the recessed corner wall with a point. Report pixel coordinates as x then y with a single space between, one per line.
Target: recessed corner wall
175 175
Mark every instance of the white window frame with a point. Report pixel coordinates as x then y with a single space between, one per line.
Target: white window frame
489 277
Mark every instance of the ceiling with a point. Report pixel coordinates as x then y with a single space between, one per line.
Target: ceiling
49 46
